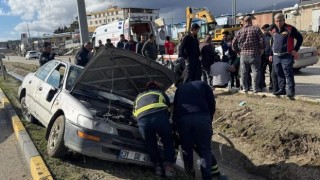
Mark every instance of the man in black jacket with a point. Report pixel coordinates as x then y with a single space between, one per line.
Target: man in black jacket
190 51
46 55
207 58
193 119
84 54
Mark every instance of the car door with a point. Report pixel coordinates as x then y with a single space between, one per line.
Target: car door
52 85
33 83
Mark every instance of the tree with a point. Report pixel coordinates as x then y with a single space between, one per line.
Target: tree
74 25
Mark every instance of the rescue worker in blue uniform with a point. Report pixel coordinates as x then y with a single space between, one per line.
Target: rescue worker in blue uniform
283 52
193 110
151 112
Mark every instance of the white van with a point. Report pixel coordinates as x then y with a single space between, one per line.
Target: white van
127 27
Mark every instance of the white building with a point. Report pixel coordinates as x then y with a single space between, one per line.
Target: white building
96 19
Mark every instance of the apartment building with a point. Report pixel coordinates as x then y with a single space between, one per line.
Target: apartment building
96 19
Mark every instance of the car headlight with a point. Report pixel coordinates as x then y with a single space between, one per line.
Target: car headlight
85 121
96 125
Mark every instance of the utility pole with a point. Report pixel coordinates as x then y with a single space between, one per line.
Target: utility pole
234 12
83 24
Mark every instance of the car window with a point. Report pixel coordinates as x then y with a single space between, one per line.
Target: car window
74 73
56 77
44 71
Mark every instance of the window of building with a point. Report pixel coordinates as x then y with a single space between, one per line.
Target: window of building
100 21
149 11
289 16
96 22
116 12
91 23
104 21
108 20
111 13
112 19
108 13
157 17
117 18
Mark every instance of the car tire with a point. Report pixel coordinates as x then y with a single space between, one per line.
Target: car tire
55 145
25 112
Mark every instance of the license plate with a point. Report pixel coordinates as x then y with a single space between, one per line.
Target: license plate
136 156
307 54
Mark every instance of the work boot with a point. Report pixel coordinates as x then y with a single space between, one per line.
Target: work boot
220 177
280 92
158 170
169 170
290 94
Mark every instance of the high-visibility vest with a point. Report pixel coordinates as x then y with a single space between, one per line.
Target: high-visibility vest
147 101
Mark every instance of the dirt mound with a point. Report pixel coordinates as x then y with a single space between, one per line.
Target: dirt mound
311 40
275 138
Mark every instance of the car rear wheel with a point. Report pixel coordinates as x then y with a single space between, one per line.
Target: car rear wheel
25 111
55 146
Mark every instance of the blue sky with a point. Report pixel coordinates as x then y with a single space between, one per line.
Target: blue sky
7 23
43 16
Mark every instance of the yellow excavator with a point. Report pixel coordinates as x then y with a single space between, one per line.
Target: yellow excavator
210 26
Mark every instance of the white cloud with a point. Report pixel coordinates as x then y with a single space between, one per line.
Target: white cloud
44 16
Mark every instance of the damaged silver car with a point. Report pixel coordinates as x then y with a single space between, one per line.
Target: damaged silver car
89 110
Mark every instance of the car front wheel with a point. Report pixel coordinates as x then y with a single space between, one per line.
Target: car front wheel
55 146
25 111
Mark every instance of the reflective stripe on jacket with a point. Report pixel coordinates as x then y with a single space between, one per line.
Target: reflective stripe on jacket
147 101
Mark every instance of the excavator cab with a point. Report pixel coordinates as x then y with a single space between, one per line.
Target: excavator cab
207 28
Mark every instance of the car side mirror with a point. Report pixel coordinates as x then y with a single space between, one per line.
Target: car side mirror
51 94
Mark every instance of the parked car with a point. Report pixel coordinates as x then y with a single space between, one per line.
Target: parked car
32 54
308 56
89 110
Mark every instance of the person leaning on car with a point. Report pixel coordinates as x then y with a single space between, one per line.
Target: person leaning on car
47 54
283 52
84 54
150 108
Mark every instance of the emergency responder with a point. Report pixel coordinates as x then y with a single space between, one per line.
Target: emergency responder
151 112
283 52
193 119
47 54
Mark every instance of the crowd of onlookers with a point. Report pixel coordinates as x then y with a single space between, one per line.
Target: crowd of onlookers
245 56
242 62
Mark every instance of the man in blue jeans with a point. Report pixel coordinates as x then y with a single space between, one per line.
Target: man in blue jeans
248 42
283 52
194 107
151 110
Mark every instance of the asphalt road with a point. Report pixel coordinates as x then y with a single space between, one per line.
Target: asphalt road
12 163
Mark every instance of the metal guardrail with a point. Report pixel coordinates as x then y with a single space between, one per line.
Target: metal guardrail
16 76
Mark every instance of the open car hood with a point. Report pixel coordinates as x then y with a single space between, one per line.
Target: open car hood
122 73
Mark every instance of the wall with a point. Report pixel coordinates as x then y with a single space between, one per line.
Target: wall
264 18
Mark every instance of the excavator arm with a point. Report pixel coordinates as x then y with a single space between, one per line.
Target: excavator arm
201 13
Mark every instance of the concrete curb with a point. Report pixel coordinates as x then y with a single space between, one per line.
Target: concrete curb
38 168
267 94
